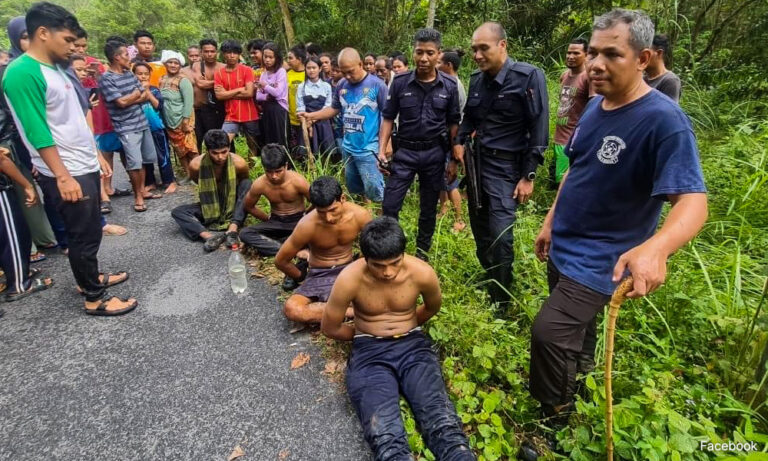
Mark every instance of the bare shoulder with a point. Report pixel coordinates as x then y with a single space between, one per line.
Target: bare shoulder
259 185
420 270
350 276
297 178
362 215
195 163
241 166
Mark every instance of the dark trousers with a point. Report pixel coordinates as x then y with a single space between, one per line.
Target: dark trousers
163 161
430 166
82 220
267 237
208 117
379 370
492 224
190 217
562 333
15 243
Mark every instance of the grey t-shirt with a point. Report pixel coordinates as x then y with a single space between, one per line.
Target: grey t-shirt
668 83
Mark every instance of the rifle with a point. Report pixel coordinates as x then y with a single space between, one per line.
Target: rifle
472 178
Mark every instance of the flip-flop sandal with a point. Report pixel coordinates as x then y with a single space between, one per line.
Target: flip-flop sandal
120 193
139 208
107 276
101 310
49 246
106 207
37 285
37 257
153 196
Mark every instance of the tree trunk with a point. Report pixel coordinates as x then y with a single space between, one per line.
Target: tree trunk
431 13
290 35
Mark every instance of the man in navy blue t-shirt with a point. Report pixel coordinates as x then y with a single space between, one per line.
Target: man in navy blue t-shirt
632 150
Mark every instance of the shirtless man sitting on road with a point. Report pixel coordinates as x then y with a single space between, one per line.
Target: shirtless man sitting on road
390 353
329 231
286 192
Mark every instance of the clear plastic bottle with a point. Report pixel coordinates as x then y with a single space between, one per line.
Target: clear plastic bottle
237 271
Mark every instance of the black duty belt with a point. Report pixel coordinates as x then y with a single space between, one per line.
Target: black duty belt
500 153
414 144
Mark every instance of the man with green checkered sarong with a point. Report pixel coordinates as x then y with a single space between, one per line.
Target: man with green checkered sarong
222 183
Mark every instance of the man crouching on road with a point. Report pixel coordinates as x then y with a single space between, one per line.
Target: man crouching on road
329 231
390 353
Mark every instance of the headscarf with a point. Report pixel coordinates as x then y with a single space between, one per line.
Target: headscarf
16 28
167 55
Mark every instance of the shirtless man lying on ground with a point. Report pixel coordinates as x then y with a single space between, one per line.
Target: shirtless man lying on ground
286 192
329 231
390 353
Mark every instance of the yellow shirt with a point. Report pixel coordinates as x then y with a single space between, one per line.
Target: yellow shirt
294 80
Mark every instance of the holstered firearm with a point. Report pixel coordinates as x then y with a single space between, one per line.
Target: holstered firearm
472 178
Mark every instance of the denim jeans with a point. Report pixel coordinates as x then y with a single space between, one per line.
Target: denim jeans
379 370
363 176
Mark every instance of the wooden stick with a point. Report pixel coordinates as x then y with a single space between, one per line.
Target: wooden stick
310 157
619 296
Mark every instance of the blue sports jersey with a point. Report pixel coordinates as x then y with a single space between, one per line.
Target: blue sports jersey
624 164
360 105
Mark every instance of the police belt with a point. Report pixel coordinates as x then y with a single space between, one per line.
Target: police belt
415 144
510 155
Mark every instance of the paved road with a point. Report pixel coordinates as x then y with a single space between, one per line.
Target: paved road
193 372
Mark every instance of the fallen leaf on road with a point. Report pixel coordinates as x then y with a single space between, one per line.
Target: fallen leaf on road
300 360
283 455
236 453
332 366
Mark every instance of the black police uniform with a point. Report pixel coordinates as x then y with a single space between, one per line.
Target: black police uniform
510 117
427 111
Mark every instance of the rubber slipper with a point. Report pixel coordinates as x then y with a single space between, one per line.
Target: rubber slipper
120 193
107 276
153 196
101 309
106 207
37 257
37 285
139 208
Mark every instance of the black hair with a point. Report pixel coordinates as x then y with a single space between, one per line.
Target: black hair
231 46
216 139
300 53
394 54
143 33
324 191
315 49
580 41
427 35
81 33
73 58
326 55
371 55
276 50
661 42
141 64
208 41
111 48
334 62
382 239
193 46
255 44
273 156
50 16
315 60
453 58
401 58
117 38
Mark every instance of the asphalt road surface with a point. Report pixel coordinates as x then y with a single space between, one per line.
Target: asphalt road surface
192 373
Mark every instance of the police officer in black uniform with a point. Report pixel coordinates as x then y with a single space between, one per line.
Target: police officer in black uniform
427 102
507 109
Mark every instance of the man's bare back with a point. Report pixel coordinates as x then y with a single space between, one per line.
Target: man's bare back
285 199
388 308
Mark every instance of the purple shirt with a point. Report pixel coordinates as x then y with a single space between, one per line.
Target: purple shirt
277 87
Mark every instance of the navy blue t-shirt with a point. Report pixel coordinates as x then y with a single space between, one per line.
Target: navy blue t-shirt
624 163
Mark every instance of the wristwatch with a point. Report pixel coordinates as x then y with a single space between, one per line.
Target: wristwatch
531 176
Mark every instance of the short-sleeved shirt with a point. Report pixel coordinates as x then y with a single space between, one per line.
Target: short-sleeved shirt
668 83
115 86
624 164
238 110
425 111
574 96
360 105
47 113
294 80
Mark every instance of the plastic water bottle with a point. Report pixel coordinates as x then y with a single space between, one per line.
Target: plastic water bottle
236 266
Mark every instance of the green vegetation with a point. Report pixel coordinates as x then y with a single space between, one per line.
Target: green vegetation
690 362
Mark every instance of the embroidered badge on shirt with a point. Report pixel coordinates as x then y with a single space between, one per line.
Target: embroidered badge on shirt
610 150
